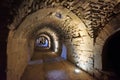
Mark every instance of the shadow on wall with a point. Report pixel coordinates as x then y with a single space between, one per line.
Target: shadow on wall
3 54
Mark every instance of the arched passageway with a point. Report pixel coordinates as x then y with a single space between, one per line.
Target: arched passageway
66 29
68 22
45 64
110 55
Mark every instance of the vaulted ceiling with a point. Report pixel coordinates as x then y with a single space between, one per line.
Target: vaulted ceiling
99 17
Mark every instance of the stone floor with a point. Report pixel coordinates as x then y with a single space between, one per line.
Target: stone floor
48 66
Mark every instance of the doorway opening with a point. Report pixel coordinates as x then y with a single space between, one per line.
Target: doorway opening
64 52
110 54
42 42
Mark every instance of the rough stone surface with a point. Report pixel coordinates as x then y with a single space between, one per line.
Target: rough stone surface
83 26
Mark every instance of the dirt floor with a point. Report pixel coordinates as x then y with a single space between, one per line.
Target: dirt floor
48 66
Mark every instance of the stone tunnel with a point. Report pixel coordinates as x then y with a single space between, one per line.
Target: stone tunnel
60 40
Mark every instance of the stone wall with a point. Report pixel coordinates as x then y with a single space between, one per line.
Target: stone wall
83 26
69 27
111 28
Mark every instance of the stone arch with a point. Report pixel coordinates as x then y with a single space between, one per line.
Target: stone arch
47 41
54 40
110 56
109 29
79 43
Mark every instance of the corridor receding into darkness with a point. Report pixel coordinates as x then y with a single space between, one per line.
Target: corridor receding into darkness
46 65
111 54
59 39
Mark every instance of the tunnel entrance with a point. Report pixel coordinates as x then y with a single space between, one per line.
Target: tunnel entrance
42 42
110 54
69 30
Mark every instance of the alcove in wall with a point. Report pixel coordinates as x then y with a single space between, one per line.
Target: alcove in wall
110 54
